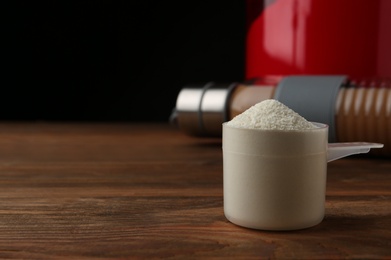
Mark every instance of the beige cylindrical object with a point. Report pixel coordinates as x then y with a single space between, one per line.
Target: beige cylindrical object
274 179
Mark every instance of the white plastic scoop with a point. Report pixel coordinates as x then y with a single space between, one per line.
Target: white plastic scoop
339 150
276 179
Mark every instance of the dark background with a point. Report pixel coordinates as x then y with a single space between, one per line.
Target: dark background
114 60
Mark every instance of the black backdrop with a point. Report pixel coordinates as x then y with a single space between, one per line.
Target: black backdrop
114 60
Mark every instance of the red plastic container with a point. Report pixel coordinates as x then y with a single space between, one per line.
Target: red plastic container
296 37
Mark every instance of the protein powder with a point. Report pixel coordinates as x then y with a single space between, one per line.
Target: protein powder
271 114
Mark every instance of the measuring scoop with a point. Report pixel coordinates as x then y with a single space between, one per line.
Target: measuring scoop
276 179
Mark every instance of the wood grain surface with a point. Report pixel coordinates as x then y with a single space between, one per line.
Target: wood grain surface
146 191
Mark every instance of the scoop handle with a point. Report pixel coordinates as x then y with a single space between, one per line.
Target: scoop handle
340 150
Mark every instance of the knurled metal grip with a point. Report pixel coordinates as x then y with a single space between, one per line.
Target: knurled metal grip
313 97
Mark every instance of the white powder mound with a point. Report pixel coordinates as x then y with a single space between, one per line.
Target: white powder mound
271 114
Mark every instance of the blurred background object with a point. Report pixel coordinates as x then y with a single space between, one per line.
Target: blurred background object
349 37
114 60
338 54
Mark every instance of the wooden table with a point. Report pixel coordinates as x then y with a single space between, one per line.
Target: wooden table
142 191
